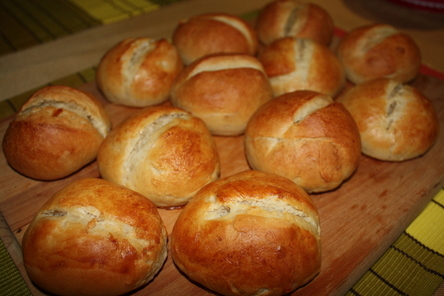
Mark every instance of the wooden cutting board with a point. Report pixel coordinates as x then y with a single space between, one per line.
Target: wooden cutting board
359 220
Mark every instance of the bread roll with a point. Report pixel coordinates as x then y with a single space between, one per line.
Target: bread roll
253 233
223 90
55 133
139 72
306 137
94 237
379 50
212 33
302 64
294 18
396 121
162 152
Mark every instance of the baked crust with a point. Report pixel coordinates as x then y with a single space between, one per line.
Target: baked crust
306 137
213 33
395 120
294 18
238 233
302 64
94 237
379 51
223 90
55 133
139 72
162 152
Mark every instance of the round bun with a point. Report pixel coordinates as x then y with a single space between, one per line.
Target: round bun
162 152
306 137
294 18
223 90
396 121
213 33
94 238
139 72
302 64
55 133
253 233
379 50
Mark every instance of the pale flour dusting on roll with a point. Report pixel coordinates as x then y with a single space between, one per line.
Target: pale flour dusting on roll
310 107
240 26
132 62
375 37
296 19
222 63
302 64
269 206
147 138
101 127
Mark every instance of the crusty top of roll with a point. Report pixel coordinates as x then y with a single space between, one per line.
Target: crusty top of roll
57 98
395 120
306 137
163 152
294 18
55 133
223 90
302 64
238 230
211 33
94 237
139 72
379 50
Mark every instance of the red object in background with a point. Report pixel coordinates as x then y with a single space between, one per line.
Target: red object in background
430 5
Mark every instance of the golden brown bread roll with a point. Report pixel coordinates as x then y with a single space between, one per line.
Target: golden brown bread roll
306 137
379 50
253 233
55 133
139 72
223 90
302 64
294 18
162 152
94 237
396 121
212 33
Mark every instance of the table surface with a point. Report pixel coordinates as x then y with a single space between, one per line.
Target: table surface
79 51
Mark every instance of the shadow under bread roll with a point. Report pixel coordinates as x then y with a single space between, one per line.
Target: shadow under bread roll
252 233
55 133
94 237
162 152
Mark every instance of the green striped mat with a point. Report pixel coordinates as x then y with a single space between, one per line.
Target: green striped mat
24 23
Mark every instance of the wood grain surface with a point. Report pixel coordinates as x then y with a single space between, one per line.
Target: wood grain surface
359 220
